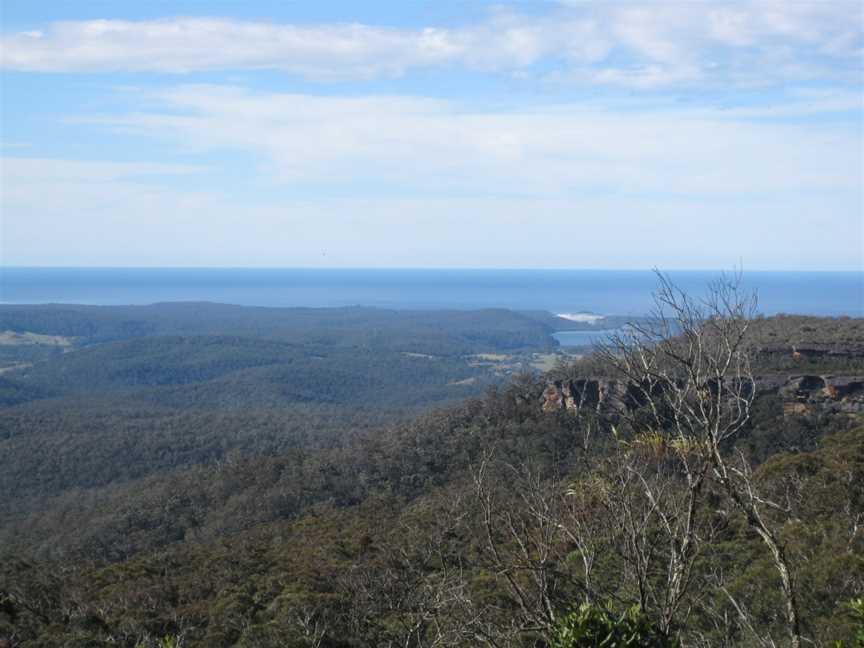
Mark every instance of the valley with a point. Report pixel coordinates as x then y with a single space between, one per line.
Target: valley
247 477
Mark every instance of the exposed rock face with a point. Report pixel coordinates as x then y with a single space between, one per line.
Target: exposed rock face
590 394
800 394
838 350
838 393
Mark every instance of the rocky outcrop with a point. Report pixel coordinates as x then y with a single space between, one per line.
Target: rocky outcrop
808 392
812 351
800 394
601 396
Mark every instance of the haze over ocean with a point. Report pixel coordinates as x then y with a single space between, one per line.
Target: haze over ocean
606 292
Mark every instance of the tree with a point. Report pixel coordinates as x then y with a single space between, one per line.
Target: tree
690 388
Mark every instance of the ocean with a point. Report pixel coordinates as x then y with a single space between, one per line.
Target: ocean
605 292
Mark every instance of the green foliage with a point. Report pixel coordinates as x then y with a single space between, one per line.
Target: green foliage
164 642
169 388
591 626
275 487
442 332
856 614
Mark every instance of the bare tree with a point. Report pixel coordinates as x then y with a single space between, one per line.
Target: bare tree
689 391
520 534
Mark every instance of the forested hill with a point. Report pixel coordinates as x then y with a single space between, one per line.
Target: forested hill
445 332
91 397
203 490
213 355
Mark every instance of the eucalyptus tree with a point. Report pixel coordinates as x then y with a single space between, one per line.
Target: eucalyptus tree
689 391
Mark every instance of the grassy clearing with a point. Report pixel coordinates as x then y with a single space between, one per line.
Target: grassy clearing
491 357
14 366
545 361
14 338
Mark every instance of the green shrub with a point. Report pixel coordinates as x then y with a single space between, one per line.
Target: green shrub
856 611
592 626
164 642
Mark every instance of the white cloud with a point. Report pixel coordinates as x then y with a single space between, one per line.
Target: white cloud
60 212
425 182
665 43
435 146
321 52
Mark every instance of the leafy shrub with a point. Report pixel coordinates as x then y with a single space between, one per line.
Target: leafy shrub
591 626
856 611
164 642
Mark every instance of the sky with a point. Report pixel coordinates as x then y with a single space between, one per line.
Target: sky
574 134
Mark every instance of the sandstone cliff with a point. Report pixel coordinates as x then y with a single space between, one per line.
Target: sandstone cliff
800 393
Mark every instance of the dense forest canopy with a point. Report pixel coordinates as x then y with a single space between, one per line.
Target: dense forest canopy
209 475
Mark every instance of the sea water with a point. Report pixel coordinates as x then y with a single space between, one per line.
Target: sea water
604 292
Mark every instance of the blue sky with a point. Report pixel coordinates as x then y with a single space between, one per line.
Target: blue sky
579 134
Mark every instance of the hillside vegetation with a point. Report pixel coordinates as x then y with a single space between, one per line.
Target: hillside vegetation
263 484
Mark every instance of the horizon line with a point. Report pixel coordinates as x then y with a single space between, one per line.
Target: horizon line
427 268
